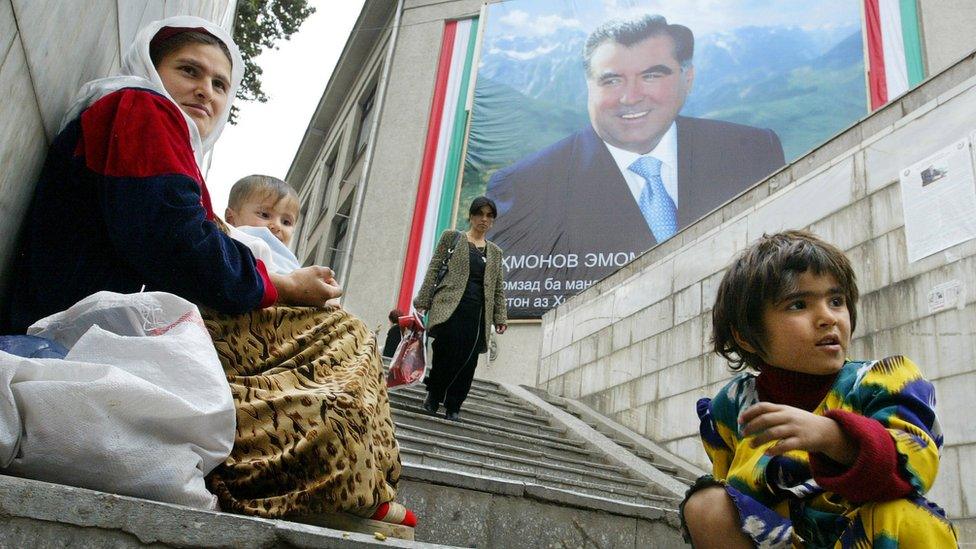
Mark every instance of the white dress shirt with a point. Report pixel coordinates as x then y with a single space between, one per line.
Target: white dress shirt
666 151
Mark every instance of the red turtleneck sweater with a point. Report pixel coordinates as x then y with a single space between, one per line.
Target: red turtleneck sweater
874 474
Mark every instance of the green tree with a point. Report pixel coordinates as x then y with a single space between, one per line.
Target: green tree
260 24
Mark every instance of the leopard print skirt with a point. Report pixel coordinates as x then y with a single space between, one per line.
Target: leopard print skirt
314 432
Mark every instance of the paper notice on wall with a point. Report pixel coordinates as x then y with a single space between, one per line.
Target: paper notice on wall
946 296
938 196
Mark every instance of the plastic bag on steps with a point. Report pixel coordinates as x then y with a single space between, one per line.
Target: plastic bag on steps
139 406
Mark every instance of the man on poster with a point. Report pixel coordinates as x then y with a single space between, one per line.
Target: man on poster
638 173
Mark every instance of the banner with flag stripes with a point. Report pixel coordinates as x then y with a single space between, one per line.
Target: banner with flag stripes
440 169
894 49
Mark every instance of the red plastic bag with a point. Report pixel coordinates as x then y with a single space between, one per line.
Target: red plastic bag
409 362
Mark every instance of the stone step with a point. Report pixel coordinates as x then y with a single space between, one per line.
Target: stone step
472 510
478 446
477 417
415 402
42 514
539 465
598 489
489 430
419 436
507 403
489 387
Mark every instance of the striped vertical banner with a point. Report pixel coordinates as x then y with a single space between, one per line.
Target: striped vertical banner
894 48
440 170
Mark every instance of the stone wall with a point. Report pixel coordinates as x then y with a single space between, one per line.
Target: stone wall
635 346
48 49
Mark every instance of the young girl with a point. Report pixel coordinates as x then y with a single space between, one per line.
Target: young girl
815 450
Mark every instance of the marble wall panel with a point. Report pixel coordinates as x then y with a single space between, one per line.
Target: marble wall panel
846 228
645 389
945 491
651 356
642 290
967 484
22 148
682 377
8 28
711 254
66 46
686 341
887 213
953 394
804 202
652 320
687 303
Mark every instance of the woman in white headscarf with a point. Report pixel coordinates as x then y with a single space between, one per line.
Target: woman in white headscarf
121 205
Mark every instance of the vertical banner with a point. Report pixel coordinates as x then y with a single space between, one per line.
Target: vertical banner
436 189
603 128
894 48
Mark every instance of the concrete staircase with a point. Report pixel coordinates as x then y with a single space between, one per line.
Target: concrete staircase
521 470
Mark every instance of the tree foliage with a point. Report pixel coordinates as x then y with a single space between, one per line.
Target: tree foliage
260 24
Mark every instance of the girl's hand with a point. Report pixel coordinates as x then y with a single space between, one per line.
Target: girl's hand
796 429
500 328
309 286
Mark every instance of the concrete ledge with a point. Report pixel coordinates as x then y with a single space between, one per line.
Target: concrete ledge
535 518
503 487
665 484
35 513
685 468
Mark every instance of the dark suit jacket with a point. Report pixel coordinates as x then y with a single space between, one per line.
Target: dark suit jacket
570 198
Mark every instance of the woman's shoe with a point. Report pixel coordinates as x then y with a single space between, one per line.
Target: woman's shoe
453 416
431 405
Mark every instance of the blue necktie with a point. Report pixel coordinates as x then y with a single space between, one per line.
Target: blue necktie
654 202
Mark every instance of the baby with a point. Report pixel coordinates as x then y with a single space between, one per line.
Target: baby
810 449
265 210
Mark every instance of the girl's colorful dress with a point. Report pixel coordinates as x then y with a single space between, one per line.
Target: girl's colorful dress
808 500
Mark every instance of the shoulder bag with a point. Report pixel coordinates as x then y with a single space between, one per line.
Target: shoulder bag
442 268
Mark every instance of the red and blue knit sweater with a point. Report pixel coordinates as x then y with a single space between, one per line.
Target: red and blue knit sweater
120 205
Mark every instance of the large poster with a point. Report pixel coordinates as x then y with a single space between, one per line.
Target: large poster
602 128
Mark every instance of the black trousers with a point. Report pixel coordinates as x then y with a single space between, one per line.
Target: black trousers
456 346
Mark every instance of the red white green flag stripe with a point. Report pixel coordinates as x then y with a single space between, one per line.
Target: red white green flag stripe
894 48
439 171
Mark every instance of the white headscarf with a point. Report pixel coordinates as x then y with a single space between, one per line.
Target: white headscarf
138 72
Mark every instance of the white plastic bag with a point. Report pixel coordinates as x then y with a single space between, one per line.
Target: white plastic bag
139 406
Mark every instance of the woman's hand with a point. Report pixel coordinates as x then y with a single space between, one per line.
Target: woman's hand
500 328
309 286
796 429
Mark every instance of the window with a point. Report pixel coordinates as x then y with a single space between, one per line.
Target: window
338 237
327 171
311 258
366 120
301 231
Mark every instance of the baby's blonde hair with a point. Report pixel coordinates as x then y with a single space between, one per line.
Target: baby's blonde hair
247 186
